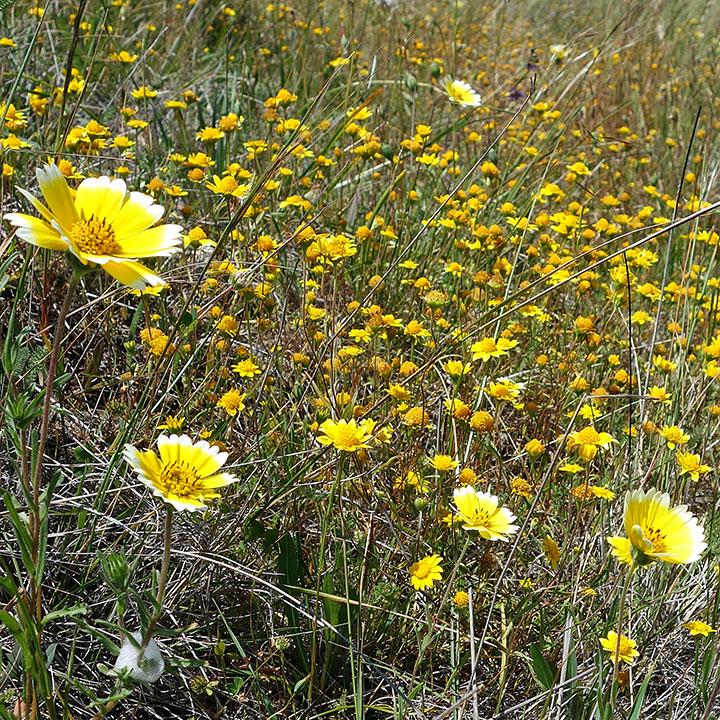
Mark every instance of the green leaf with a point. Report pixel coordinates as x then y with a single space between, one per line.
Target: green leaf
11 624
73 611
543 671
331 607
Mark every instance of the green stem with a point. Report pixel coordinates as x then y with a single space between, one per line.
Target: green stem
616 664
163 577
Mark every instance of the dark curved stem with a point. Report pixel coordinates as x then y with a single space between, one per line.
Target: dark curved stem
163 578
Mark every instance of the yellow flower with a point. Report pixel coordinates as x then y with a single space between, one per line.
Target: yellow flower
425 572
587 441
413 479
416 417
228 324
456 368
480 512
482 421
602 492
232 402
246 368
520 486
487 347
505 389
157 341
691 465
143 93
552 551
103 224
123 57
343 435
461 93
534 448
443 463
227 186
461 599
173 423
673 435
185 475
625 651
657 532
697 627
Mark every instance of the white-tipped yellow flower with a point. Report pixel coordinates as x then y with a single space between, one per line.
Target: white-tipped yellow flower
101 224
185 475
655 531
479 511
461 93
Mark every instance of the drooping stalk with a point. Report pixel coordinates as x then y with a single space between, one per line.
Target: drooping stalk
163 577
34 513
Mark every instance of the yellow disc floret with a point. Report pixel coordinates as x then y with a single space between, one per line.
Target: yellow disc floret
94 237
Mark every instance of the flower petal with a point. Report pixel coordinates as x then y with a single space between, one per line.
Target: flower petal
57 195
36 231
101 198
162 241
137 214
132 274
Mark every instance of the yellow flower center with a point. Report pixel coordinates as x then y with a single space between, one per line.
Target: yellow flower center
346 436
626 647
421 569
94 237
228 185
178 479
480 518
657 538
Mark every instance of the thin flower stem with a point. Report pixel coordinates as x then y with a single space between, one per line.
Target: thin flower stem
44 424
616 664
163 577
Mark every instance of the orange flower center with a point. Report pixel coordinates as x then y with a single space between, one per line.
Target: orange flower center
94 237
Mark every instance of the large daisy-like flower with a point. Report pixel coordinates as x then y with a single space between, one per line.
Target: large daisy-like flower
657 532
185 475
479 511
461 93
102 224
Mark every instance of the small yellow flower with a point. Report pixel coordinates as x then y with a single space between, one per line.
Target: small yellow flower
246 368
456 368
343 435
173 423
673 435
552 551
487 348
691 465
232 402
625 652
227 186
461 599
587 441
443 463
697 627
425 572
143 93
520 486
534 448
